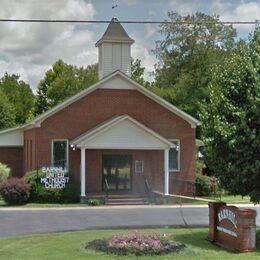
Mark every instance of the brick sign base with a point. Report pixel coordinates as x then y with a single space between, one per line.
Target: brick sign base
232 227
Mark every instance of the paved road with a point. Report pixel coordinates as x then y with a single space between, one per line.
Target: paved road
21 221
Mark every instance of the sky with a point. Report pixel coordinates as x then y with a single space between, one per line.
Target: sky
30 49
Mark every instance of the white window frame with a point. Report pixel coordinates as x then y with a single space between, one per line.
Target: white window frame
142 166
179 156
67 155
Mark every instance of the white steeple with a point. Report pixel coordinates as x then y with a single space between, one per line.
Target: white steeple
114 50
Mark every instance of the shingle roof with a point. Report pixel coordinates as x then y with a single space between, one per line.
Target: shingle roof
115 33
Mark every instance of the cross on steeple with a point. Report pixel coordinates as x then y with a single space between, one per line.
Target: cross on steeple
114 6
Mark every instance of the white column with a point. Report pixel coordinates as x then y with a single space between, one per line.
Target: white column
166 171
83 172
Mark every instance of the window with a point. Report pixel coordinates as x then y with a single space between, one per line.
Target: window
139 166
174 156
60 153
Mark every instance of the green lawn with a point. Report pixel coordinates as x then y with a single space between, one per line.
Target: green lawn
229 199
71 245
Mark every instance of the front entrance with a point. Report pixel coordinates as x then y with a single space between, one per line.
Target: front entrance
117 172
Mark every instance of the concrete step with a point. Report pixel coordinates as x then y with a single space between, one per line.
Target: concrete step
127 200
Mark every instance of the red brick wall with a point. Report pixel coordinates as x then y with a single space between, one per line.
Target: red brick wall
13 157
30 150
103 104
153 169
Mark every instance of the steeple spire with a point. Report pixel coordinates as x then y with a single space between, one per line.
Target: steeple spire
114 50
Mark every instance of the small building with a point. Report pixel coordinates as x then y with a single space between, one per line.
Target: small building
116 132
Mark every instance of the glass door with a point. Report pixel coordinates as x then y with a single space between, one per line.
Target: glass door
117 171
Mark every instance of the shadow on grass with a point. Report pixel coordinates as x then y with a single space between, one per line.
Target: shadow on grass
198 238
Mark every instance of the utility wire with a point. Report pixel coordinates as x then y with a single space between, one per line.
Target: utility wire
125 22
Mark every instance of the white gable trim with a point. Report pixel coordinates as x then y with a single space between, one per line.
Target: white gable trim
11 137
121 132
37 121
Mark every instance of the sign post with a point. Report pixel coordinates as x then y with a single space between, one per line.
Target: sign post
232 227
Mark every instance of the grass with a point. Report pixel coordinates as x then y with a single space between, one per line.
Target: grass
229 199
71 245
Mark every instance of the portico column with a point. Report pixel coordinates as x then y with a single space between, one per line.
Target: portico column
83 172
166 171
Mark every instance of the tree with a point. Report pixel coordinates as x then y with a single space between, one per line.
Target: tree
62 81
186 55
7 117
19 95
137 73
231 120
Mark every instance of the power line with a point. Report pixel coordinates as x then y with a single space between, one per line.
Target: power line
125 22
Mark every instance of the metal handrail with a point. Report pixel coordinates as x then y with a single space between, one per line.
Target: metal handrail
106 186
148 187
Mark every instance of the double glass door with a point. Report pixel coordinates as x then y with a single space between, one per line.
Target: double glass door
117 172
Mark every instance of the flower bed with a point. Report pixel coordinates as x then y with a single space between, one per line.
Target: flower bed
136 244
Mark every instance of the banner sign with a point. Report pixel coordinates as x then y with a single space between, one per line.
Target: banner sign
232 227
227 214
55 177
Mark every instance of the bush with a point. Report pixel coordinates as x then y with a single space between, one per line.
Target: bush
4 172
95 202
40 194
136 244
204 185
15 191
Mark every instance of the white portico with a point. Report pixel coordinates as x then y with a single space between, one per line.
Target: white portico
122 133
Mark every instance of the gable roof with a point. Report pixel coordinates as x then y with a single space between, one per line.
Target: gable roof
115 33
38 120
121 131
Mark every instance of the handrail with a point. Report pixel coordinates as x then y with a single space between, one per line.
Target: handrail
148 187
106 186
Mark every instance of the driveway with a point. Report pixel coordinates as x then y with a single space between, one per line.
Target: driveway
25 221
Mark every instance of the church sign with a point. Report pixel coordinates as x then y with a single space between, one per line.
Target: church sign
55 178
231 227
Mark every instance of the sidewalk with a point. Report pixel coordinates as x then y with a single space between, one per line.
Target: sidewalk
24 208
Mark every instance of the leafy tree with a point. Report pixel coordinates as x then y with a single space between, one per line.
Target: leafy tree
186 55
62 81
137 73
20 96
7 116
231 120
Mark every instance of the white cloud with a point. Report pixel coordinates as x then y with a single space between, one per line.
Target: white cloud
244 11
233 10
144 43
28 48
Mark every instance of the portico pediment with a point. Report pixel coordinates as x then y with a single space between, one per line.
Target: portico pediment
121 132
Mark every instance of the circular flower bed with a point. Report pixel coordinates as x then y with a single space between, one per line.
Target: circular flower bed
136 244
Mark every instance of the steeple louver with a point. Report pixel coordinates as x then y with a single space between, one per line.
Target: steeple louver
114 50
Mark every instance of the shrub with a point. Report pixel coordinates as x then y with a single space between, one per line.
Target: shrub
136 244
40 194
15 191
95 202
204 185
4 172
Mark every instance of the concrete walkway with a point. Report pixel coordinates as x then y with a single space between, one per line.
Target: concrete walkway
25 221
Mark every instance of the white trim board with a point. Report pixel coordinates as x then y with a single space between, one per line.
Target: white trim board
104 83
121 132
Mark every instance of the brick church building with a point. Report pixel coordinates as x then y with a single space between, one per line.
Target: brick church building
115 132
